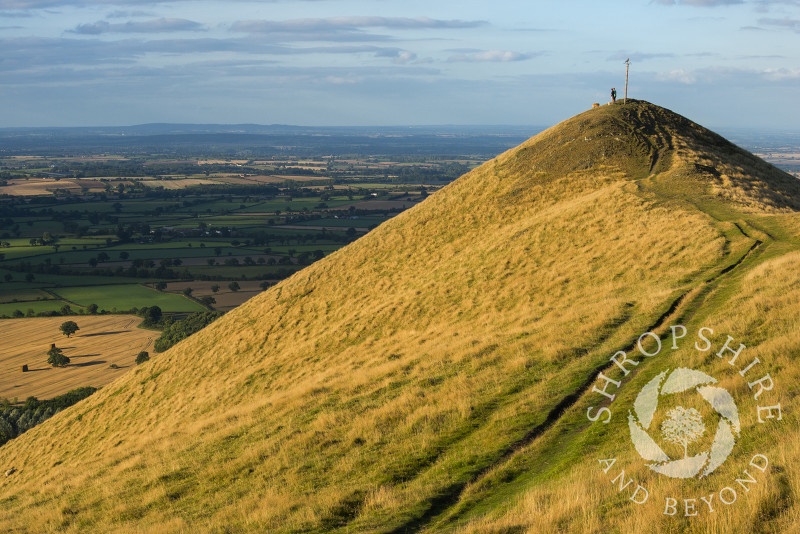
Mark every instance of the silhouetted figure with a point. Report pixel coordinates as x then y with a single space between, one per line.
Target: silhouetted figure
613 95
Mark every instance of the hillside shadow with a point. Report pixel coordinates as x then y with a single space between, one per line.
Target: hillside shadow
87 364
106 333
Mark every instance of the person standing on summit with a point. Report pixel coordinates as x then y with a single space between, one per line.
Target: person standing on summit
613 95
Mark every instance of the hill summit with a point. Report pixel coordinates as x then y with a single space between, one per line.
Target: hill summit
436 374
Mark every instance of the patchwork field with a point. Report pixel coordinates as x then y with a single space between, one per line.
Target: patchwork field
225 297
100 342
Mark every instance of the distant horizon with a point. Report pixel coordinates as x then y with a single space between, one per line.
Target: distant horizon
515 127
270 125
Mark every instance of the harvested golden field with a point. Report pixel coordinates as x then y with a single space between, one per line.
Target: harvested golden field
179 184
436 374
46 186
100 342
37 186
222 162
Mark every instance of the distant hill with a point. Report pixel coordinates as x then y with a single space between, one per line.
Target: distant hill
262 140
436 374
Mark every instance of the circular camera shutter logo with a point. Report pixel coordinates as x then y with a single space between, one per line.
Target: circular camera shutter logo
683 426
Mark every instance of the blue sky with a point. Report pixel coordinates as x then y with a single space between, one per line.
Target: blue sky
724 63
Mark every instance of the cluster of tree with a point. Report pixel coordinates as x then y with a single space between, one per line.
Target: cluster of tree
152 315
181 329
56 357
31 269
264 238
142 357
438 172
14 420
66 309
46 239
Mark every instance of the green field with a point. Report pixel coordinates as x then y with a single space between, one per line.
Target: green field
57 280
8 295
38 306
126 297
101 248
346 222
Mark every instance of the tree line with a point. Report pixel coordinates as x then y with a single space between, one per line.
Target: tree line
15 420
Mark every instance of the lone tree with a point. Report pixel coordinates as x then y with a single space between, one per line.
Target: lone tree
68 328
142 357
234 286
683 427
56 357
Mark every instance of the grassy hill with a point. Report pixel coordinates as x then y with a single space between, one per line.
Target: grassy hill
436 374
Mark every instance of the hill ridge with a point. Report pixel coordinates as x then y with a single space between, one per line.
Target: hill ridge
394 376
443 503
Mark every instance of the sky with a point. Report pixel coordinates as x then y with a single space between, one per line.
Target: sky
722 63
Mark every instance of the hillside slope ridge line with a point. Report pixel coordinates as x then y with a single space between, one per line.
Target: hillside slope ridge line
451 497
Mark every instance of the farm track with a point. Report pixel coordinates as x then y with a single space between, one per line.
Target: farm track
681 309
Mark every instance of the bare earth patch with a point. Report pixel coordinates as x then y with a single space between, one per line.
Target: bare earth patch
101 341
226 299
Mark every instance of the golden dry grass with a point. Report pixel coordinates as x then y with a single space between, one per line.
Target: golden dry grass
180 183
764 314
37 186
46 186
101 341
354 393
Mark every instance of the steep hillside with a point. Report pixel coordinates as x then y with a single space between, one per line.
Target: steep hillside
436 373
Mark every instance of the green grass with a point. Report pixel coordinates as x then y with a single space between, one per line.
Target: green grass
346 222
236 272
125 297
8 308
58 280
108 206
7 294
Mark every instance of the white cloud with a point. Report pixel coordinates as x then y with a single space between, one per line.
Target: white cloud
677 75
400 57
148 26
119 14
349 24
497 56
776 75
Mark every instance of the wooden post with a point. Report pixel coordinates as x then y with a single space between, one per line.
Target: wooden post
627 67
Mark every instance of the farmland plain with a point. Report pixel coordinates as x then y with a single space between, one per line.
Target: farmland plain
124 227
100 342
88 230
